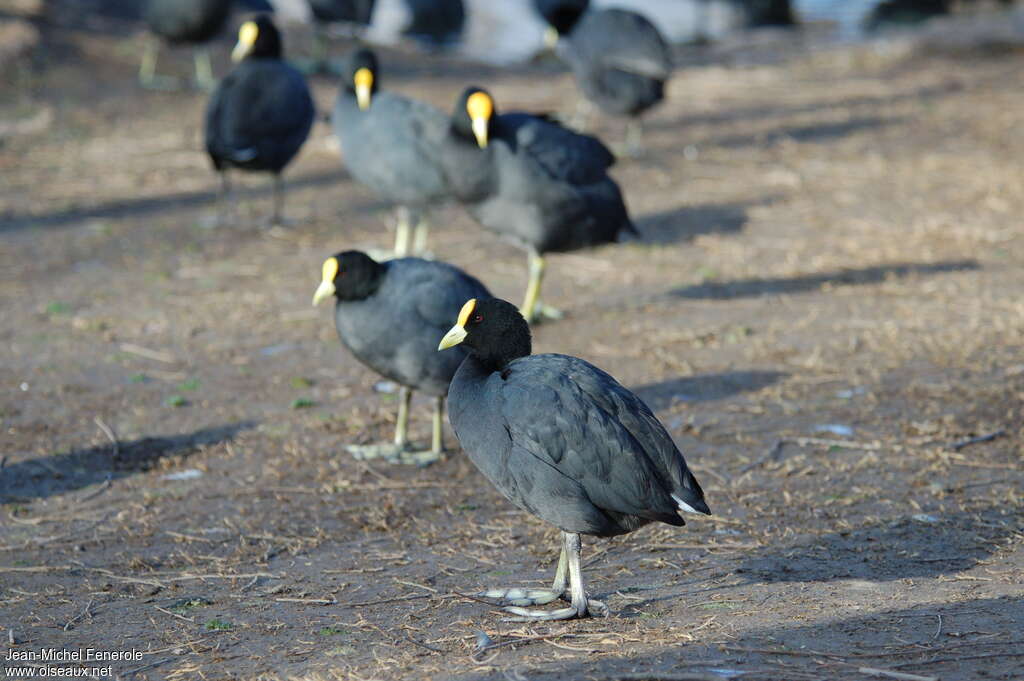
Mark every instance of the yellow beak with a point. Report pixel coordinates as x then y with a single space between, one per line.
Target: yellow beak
247 35
328 272
363 81
456 335
550 38
480 131
324 290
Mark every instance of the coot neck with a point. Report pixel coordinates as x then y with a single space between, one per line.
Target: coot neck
362 283
501 352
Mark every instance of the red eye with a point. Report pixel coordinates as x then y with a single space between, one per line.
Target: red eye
478 318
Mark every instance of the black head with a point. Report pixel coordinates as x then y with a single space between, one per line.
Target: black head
350 275
258 38
473 118
361 76
493 330
561 15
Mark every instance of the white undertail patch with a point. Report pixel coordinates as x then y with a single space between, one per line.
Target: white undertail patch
683 506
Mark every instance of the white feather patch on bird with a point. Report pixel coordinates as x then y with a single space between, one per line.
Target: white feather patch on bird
683 506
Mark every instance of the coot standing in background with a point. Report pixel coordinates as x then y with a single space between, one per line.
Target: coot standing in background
390 315
261 113
182 22
563 440
525 177
353 13
619 58
391 144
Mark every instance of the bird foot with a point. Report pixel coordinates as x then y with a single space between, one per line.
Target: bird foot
633 152
523 597
545 313
160 83
204 84
381 254
590 608
318 67
394 453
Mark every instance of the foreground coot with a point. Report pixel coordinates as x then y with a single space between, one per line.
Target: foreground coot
390 315
563 440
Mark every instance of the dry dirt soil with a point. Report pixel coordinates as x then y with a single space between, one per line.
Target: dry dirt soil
825 309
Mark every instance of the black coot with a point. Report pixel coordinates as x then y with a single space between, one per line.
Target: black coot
563 440
182 22
619 58
532 181
261 113
355 14
391 144
390 315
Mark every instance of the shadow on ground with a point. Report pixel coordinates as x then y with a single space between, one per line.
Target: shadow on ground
814 133
924 545
129 208
705 388
965 640
46 476
760 113
686 223
752 288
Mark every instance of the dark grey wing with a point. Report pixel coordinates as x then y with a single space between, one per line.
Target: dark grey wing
264 113
394 147
623 40
570 415
441 291
274 102
219 137
561 153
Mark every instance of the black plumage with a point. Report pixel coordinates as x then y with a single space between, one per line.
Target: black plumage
534 182
391 144
390 315
620 60
261 113
435 22
183 22
343 11
354 14
561 438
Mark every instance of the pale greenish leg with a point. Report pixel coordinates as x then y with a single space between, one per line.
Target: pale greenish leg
277 219
531 597
227 209
581 606
437 438
402 230
390 451
419 238
147 69
536 268
402 424
436 451
581 118
399 451
533 310
204 69
634 138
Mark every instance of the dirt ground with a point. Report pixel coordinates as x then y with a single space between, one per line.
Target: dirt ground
826 305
